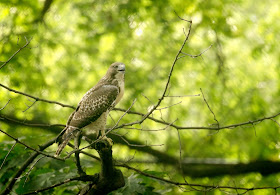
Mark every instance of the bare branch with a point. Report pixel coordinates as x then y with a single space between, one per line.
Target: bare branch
85 153
195 56
210 108
180 96
29 106
36 98
180 152
169 106
40 152
182 18
147 99
5 104
135 145
131 112
28 161
169 76
79 178
161 129
209 187
192 185
21 48
121 117
275 121
230 126
8 155
21 122
29 171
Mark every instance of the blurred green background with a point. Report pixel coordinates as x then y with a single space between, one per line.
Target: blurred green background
74 42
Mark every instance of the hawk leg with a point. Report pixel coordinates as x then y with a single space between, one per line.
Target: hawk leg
90 139
77 142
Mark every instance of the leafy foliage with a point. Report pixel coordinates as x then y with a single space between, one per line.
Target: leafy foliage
75 41
135 185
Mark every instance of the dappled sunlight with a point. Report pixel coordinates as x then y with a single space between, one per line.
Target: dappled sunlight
200 110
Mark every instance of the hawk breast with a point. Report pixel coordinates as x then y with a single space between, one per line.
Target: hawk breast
94 105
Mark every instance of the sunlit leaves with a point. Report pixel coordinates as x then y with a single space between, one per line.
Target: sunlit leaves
77 40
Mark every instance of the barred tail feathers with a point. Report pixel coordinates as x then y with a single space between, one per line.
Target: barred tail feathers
67 136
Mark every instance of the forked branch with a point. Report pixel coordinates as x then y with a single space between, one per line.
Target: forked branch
21 48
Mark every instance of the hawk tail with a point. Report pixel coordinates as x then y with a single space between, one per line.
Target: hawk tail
67 136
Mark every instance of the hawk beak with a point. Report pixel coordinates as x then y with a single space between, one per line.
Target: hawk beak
121 68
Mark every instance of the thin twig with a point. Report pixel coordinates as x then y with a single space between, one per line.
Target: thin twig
275 121
182 18
192 184
169 76
28 161
207 187
29 171
210 108
230 126
79 178
136 145
27 42
29 106
40 152
121 117
180 159
8 155
195 56
147 98
6 104
117 109
180 163
162 129
128 160
12 120
36 98
169 106
85 153
179 96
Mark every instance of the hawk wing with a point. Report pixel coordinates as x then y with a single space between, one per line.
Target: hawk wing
93 104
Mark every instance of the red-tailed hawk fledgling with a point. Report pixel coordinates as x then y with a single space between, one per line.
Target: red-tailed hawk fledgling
93 109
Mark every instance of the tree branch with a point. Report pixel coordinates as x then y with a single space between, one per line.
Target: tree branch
218 124
35 150
231 126
21 48
36 98
8 155
45 9
195 56
169 76
5 105
208 187
10 120
193 169
109 178
32 157
93 178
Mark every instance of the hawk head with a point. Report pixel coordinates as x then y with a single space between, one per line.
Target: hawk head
116 70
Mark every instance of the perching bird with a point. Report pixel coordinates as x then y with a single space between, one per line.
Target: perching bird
93 109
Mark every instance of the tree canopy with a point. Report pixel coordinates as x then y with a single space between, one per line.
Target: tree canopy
200 113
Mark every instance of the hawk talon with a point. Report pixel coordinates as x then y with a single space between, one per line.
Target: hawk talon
105 142
108 140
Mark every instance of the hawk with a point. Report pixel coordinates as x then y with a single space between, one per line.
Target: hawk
94 107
